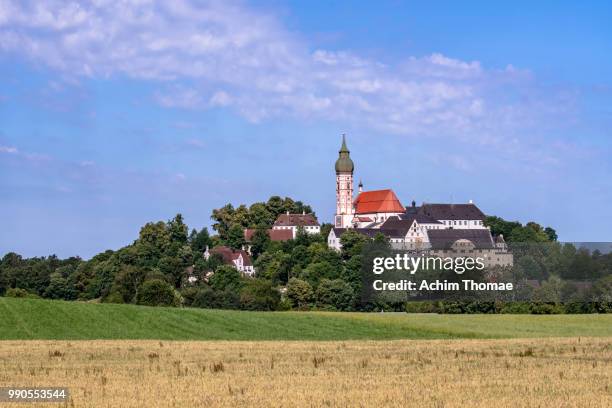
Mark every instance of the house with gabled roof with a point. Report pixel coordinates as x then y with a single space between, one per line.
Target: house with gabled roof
236 258
293 222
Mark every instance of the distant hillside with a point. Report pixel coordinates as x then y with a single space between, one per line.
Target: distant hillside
46 319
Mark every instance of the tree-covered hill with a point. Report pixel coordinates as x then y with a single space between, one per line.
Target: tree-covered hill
158 268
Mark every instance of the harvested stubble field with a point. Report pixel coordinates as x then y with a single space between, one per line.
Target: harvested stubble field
552 372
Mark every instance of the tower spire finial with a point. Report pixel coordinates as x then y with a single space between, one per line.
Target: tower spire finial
343 148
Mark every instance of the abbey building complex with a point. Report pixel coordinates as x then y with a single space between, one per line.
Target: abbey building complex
435 229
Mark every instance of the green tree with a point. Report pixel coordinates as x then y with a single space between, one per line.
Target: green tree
299 292
235 236
532 232
259 216
302 237
275 206
550 291
352 243
127 281
225 277
157 292
352 273
381 240
259 242
274 266
499 226
177 229
335 294
223 219
214 261
199 240
602 291
551 234
257 294
528 268
58 287
316 272
10 264
300 256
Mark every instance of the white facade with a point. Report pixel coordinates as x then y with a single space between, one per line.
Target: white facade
240 265
333 241
417 235
309 229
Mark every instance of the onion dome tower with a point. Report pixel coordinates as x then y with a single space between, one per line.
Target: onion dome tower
344 187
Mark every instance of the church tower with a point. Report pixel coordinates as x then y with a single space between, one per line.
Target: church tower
344 187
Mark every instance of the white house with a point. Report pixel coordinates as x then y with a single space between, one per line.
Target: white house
239 259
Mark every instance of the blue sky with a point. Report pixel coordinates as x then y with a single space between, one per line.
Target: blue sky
116 114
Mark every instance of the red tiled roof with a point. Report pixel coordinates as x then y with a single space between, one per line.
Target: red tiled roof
230 255
275 235
379 201
280 235
299 220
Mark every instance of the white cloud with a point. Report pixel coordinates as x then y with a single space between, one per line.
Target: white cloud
225 54
8 149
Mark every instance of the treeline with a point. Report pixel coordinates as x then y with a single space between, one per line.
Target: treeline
159 260
514 231
165 265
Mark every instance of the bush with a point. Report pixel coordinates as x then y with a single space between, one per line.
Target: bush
547 308
284 305
114 297
422 307
259 295
208 298
20 293
59 288
189 295
299 293
205 298
334 294
225 277
157 292
452 307
480 307
516 308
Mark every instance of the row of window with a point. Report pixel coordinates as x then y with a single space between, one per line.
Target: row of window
307 227
461 222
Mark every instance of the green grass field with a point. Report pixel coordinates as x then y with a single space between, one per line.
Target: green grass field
29 319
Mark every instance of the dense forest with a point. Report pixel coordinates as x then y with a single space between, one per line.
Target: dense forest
298 274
